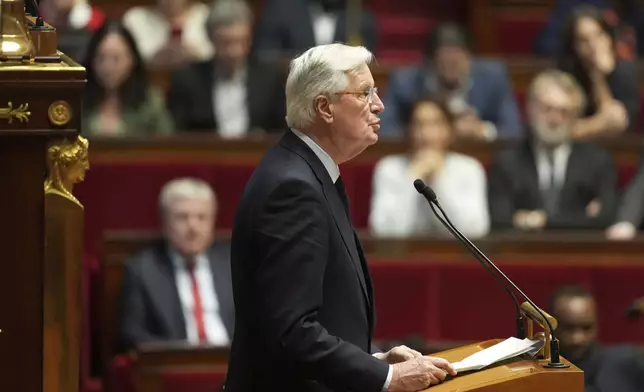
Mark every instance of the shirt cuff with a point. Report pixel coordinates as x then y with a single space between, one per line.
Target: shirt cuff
385 387
489 130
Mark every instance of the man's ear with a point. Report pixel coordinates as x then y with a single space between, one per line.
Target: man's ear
324 108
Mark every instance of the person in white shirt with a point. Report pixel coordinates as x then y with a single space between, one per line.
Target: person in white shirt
171 33
180 289
459 181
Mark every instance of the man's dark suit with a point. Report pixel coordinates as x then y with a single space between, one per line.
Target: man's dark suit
303 296
277 35
613 369
150 305
191 100
513 185
632 206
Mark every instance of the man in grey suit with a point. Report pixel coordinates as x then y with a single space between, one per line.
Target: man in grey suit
180 288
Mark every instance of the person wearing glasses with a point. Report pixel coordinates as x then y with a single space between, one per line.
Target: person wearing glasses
303 293
458 180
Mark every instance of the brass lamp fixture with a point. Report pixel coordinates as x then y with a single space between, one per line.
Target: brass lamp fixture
16 45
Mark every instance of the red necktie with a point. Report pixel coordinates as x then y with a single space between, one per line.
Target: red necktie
198 308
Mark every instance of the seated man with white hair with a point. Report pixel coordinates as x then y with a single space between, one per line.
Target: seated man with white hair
180 288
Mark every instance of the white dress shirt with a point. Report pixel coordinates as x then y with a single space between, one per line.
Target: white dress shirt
334 172
215 329
230 97
545 167
151 30
324 25
397 210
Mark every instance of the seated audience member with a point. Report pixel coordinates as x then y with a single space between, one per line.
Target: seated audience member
180 289
623 16
478 91
606 369
75 21
631 210
118 99
170 33
71 14
550 181
397 210
318 22
231 94
610 84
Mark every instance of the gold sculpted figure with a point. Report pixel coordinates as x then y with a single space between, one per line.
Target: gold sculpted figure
67 162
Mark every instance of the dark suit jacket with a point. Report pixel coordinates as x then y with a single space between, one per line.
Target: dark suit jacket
632 206
513 185
277 35
303 296
490 93
613 369
150 306
190 98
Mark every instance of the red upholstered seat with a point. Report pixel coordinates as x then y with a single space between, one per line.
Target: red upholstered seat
518 31
206 381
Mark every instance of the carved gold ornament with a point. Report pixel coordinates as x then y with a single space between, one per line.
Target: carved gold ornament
21 113
60 113
67 162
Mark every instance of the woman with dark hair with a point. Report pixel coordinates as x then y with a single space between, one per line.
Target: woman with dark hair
458 180
610 83
118 99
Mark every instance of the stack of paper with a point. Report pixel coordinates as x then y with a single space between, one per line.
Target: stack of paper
508 348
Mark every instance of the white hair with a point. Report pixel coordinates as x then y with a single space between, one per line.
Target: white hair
185 188
321 70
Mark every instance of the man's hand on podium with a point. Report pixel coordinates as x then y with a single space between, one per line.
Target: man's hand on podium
398 354
418 373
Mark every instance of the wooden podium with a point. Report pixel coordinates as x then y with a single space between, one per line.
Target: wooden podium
518 374
40 232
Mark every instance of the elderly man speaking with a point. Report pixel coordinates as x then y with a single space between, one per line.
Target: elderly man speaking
303 295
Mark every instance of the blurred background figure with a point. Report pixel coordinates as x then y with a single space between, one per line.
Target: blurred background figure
477 91
118 98
75 21
318 22
588 53
630 216
170 33
625 18
551 181
180 288
458 180
232 93
606 369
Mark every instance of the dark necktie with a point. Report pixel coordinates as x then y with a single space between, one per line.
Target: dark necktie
551 193
342 192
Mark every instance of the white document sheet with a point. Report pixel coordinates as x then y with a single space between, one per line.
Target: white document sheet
509 348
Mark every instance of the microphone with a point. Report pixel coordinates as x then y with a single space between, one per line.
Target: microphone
636 309
430 195
32 9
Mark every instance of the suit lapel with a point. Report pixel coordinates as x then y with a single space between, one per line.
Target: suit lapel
532 184
293 143
222 282
254 90
208 100
166 291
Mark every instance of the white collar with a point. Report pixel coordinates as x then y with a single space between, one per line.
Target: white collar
329 164
179 262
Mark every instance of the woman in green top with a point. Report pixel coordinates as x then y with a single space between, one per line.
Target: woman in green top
119 101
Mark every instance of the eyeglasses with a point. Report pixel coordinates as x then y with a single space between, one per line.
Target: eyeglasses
366 94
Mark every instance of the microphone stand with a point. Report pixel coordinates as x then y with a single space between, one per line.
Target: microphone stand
475 252
430 195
